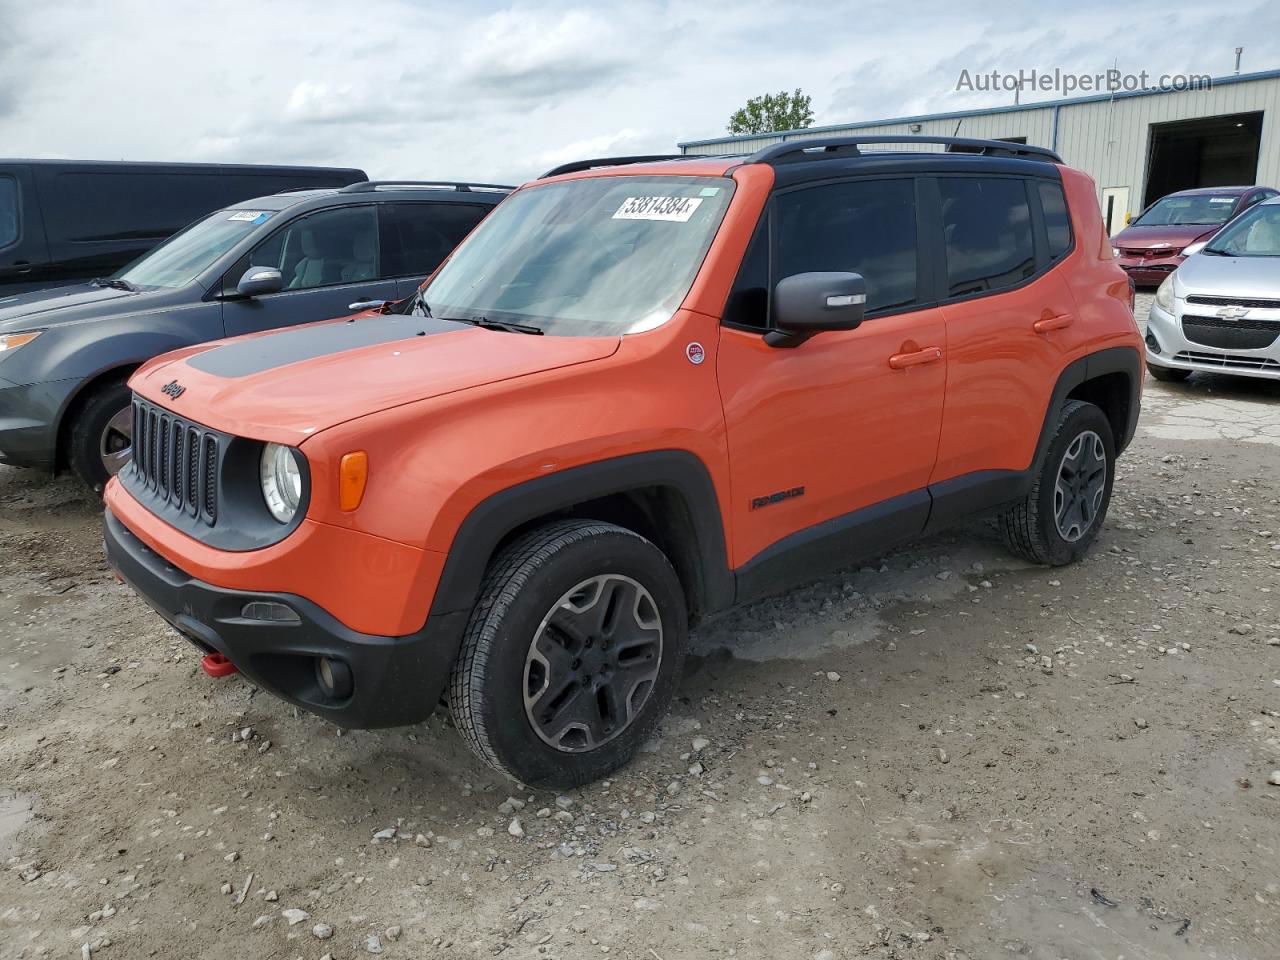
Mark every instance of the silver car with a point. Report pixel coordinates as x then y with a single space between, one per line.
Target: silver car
1220 310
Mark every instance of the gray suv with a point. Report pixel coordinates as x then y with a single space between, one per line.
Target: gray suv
294 257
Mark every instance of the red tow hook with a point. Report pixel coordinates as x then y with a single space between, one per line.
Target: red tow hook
216 665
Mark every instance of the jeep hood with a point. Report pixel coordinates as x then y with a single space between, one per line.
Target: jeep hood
288 384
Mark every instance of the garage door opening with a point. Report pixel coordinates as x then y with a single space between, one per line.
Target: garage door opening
1207 152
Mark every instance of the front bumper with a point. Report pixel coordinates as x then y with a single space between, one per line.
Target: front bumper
395 680
29 421
1168 345
1149 272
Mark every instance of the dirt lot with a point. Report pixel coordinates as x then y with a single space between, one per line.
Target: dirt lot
943 754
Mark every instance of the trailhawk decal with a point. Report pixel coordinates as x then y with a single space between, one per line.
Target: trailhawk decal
676 209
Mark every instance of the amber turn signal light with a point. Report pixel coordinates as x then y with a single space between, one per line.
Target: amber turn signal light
352 474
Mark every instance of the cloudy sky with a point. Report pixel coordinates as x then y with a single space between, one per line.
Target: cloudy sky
500 91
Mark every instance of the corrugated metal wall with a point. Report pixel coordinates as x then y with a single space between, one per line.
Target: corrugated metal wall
1107 139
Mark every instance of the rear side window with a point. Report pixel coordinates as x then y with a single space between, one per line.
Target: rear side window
8 211
987 225
859 226
417 236
1056 222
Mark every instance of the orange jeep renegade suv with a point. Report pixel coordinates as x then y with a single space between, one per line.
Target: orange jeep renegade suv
642 390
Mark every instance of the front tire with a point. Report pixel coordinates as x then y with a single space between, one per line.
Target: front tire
572 653
1060 517
1168 374
100 442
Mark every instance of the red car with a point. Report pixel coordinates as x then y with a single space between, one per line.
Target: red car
1153 245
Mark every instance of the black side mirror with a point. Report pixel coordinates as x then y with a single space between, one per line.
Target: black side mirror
809 303
260 280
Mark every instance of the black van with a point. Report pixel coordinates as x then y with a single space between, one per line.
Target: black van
62 221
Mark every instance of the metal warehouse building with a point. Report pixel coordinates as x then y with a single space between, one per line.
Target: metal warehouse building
1137 146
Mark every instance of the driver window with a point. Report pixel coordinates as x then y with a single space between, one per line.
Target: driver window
327 248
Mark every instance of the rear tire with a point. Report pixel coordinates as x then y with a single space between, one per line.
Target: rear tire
1168 374
572 653
100 442
1060 517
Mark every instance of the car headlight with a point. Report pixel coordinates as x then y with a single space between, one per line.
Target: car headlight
1193 248
14 340
1164 295
281 481
1115 251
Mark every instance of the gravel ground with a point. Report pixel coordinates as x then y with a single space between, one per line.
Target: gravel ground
942 754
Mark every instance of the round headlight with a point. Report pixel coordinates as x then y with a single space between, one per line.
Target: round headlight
281 481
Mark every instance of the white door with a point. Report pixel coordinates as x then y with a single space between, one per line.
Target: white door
1115 209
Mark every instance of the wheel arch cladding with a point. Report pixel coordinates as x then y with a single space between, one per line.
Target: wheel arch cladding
1110 379
667 496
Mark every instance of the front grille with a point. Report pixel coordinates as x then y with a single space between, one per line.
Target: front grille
1230 334
1252 304
1229 363
175 461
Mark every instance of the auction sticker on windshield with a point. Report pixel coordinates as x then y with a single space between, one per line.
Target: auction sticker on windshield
679 209
250 216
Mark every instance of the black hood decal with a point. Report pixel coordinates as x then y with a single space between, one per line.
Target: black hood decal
259 354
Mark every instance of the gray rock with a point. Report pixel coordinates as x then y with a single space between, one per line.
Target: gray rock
372 944
322 931
294 915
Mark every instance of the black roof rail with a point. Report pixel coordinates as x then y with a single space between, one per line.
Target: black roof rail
370 186
579 165
793 151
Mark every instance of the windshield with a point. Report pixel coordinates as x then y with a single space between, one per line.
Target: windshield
187 254
1199 209
600 256
1255 234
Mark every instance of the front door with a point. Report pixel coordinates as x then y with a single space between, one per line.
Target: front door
329 261
847 420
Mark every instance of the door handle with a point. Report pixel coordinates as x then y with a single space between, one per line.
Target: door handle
22 266
1053 323
900 361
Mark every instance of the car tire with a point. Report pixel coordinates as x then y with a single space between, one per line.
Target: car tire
571 655
1168 374
99 443
1060 517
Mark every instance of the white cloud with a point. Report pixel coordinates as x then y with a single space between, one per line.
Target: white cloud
493 90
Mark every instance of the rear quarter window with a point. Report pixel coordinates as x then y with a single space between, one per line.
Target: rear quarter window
1057 223
987 228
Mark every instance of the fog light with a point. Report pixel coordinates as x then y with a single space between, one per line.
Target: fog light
334 678
269 610
1152 343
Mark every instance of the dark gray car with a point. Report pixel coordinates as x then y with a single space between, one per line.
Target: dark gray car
66 353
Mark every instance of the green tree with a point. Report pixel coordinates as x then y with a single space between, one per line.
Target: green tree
773 111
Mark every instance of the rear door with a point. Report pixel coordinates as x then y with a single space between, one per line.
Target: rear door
1008 313
417 235
329 260
24 256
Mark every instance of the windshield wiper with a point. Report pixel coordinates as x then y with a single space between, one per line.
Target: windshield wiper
497 325
115 283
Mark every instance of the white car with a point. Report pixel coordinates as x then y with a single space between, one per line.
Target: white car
1220 310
